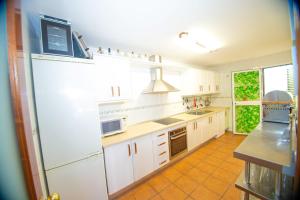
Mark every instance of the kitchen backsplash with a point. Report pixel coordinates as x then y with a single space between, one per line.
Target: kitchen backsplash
142 113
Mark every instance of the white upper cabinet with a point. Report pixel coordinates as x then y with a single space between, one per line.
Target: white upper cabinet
190 82
217 86
197 82
114 78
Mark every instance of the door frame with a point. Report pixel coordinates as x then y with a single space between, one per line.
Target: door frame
246 102
19 97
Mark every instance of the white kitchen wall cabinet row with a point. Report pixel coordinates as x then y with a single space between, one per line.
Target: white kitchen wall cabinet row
116 84
132 160
199 82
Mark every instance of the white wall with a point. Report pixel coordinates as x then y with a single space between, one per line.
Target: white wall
225 70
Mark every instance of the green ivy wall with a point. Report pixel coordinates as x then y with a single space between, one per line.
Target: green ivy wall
247 88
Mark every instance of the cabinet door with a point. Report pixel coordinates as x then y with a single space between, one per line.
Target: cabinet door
198 132
142 150
217 82
191 82
221 122
191 134
211 81
113 78
119 168
205 128
214 126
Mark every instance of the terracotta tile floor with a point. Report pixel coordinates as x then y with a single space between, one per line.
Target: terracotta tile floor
206 174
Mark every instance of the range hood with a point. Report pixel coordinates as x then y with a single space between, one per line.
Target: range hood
157 84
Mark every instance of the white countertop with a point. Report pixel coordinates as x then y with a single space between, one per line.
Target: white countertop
148 127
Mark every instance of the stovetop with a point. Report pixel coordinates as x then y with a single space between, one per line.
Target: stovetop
167 121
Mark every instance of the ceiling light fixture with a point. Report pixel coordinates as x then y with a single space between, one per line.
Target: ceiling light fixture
207 45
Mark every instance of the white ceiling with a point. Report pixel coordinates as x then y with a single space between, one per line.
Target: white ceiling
247 28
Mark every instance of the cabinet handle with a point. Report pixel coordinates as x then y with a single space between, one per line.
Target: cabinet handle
161 135
162 153
162 143
129 151
135 148
119 91
209 87
112 91
196 125
162 162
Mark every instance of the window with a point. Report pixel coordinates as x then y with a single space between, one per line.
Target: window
279 78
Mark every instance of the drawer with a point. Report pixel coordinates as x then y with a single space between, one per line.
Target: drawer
160 137
160 147
161 159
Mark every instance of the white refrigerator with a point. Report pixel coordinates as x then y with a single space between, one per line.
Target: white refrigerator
69 130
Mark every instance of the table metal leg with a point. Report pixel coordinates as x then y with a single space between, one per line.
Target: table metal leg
246 196
277 184
247 172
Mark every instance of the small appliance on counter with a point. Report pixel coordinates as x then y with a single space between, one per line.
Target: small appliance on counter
113 124
277 106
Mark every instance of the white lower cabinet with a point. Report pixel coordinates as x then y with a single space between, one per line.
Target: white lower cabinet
127 162
222 123
205 128
213 125
142 156
194 135
119 166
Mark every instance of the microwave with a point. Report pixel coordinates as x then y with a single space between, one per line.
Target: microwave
111 125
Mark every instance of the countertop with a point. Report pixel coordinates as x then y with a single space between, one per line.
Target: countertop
266 146
148 127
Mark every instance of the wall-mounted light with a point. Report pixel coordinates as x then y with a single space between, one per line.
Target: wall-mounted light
204 43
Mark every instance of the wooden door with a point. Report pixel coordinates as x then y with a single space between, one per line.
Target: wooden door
19 96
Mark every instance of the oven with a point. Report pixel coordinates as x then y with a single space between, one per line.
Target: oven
177 141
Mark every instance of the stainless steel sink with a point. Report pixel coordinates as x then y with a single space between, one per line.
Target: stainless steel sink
199 112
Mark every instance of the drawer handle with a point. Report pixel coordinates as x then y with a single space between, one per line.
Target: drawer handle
135 148
162 143
129 151
163 162
161 135
162 153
